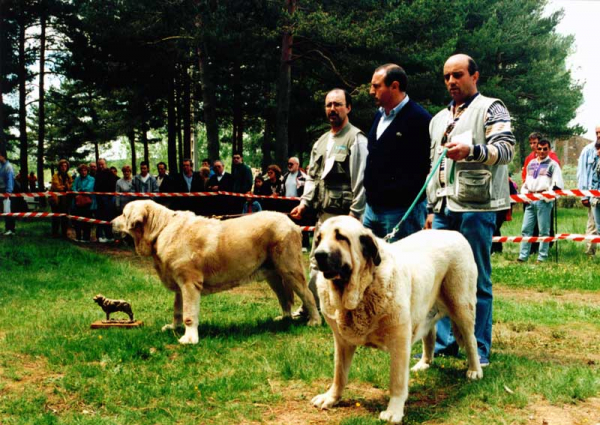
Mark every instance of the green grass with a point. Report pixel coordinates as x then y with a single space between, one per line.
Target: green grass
248 368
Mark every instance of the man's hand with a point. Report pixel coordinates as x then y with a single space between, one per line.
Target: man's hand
457 151
586 202
429 222
297 212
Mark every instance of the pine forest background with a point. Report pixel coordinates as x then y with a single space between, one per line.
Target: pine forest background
76 75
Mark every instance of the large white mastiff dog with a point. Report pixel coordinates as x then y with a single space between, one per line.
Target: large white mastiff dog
196 256
389 296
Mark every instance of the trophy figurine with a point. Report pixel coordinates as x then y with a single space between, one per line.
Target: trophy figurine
112 306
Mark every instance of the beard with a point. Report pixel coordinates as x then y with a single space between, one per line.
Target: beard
335 120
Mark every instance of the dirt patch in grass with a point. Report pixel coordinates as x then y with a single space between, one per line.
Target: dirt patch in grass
366 400
572 297
32 374
295 408
545 343
586 413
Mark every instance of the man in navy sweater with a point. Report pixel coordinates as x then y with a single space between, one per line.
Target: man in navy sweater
398 161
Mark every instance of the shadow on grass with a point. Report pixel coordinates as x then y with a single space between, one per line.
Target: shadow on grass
240 330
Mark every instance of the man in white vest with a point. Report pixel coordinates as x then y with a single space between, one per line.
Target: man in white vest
471 184
334 182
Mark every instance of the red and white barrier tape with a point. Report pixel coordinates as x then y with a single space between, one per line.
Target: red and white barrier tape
87 219
50 215
553 194
146 194
520 198
502 239
560 237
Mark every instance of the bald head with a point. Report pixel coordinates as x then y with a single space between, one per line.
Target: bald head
463 59
461 76
598 132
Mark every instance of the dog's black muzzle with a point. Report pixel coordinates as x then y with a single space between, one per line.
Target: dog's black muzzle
330 263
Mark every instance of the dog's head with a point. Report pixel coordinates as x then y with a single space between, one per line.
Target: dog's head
99 299
143 221
346 253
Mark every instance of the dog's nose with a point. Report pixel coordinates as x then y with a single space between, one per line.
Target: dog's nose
321 257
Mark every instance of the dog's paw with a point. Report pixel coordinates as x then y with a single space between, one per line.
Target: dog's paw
188 339
420 366
169 327
474 374
282 318
392 416
316 321
324 401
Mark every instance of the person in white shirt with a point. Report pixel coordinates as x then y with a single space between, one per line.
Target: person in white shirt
543 174
294 179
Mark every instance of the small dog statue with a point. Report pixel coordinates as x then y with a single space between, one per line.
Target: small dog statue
111 306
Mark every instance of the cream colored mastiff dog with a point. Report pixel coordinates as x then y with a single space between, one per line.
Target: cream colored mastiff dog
390 295
195 255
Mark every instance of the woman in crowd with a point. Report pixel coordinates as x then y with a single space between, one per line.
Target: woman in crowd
205 175
124 184
83 205
61 182
274 182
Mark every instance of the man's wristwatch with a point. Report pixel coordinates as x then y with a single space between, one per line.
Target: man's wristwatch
471 156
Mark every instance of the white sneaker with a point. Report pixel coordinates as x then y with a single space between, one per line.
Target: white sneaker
9 233
102 240
110 240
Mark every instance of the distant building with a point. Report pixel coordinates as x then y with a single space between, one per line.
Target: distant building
568 150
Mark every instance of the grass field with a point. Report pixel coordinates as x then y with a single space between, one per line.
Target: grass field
250 369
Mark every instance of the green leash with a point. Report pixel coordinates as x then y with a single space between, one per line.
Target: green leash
429 177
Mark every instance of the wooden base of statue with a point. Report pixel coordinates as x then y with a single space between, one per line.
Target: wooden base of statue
101 324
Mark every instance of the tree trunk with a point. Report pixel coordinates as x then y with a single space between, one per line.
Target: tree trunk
94 133
237 133
145 141
210 104
42 94
284 90
267 143
178 117
187 117
131 137
171 139
22 75
96 150
3 146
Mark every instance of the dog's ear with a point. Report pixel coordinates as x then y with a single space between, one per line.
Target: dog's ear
137 215
369 248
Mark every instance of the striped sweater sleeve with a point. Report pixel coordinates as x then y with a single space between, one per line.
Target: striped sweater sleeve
500 140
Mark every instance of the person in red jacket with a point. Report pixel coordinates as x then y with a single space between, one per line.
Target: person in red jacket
534 138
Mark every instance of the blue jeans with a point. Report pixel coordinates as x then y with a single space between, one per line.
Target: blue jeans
383 220
539 212
478 229
596 211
